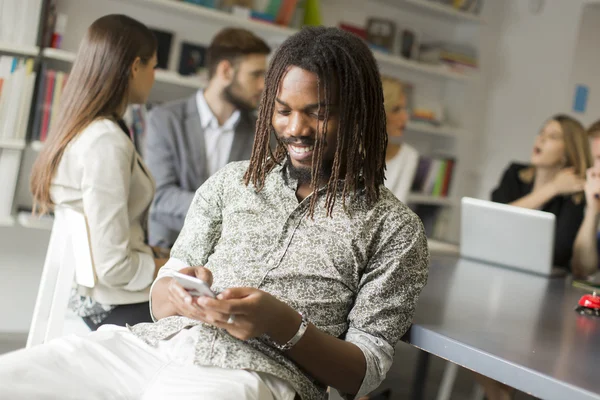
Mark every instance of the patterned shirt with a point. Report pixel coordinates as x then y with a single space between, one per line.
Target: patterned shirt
355 275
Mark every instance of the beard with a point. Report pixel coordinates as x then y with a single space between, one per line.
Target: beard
304 174
232 95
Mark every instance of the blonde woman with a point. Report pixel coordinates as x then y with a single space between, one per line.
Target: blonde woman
89 163
401 159
553 182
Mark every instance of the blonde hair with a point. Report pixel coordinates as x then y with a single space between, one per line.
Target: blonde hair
577 150
594 130
393 91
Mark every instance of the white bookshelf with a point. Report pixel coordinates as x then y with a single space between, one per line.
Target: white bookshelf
19 49
441 10
195 11
163 76
12 144
418 198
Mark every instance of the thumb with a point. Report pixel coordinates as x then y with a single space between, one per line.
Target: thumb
204 274
235 293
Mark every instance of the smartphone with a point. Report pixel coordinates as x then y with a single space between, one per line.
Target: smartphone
196 287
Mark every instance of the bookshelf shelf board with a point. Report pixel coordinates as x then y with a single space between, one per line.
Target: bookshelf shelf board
13 144
442 130
37 145
440 10
163 76
422 68
174 78
30 221
439 247
58 54
7 221
210 14
19 49
418 198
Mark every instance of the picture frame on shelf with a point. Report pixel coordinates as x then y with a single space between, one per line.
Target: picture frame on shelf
192 59
408 42
381 34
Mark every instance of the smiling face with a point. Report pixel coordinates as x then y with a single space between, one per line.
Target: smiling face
549 148
299 122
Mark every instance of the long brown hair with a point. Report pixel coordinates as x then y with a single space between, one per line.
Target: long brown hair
342 63
97 87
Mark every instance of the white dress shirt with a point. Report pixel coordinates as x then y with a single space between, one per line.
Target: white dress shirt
401 170
218 139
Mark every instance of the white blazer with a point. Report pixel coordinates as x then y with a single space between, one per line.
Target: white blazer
102 176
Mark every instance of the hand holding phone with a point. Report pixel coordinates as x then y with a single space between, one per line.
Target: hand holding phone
196 287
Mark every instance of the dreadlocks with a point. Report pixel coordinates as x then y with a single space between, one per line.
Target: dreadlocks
343 63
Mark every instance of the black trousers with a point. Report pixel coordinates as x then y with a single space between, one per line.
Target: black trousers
124 314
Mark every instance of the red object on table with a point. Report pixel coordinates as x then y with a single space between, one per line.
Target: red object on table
589 304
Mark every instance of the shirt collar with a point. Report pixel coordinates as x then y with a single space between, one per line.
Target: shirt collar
208 119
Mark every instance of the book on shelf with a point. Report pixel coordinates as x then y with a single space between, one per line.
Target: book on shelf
17 80
436 220
433 176
49 95
19 21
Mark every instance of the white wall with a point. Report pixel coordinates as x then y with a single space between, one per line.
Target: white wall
529 81
586 63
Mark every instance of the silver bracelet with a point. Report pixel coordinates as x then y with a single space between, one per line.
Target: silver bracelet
295 339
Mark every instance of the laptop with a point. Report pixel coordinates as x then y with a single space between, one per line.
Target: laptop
509 236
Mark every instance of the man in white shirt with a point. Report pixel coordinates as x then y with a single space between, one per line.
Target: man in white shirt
191 139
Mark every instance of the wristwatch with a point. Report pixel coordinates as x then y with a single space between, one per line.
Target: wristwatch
295 339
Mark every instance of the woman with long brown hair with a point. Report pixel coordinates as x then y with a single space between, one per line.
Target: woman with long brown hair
90 164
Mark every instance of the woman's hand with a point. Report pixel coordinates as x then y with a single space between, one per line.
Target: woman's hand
181 300
592 190
567 182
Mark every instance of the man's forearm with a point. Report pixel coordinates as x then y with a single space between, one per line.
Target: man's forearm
331 361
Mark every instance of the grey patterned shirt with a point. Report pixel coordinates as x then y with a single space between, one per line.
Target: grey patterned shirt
356 275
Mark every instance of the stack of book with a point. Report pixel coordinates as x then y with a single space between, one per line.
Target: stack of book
50 89
458 57
17 80
433 176
18 20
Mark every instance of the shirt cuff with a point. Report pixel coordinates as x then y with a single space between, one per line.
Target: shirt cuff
379 355
173 264
144 274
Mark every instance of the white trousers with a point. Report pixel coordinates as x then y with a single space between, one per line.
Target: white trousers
114 364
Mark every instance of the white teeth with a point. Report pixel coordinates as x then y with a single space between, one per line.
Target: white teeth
302 150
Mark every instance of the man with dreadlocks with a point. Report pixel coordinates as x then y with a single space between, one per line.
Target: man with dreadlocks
316 265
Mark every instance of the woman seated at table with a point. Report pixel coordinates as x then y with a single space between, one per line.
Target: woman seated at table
401 159
553 182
